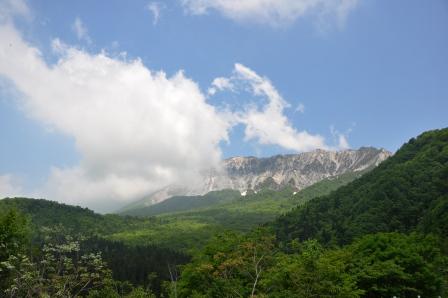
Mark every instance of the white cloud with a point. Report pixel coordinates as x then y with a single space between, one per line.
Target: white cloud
155 8
136 130
12 8
274 12
268 125
220 84
300 108
9 187
81 30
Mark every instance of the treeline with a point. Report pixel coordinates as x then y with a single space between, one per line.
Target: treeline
77 220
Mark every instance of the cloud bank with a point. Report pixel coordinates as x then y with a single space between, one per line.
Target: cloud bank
274 12
136 130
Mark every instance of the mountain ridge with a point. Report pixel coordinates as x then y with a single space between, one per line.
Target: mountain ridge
276 172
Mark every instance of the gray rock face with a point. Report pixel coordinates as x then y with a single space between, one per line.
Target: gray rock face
296 170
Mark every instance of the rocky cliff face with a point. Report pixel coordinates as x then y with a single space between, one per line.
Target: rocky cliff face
296 170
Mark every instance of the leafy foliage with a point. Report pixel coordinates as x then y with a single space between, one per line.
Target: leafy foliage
230 266
14 235
57 269
378 265
393 264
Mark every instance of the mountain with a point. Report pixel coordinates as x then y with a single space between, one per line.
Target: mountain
180 223
253 174
406 193
266 203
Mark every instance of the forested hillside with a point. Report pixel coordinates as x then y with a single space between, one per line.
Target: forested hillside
44 213
183 203
408 192
383 235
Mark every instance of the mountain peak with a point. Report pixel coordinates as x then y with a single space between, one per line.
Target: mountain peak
294 170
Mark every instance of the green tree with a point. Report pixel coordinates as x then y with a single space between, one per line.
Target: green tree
60 271
311 272
14 236
231 265
393 264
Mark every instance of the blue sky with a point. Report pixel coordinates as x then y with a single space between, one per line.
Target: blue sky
374 73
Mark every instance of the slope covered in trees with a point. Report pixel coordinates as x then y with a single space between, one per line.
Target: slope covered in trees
383 235
408 192
44 213
184 203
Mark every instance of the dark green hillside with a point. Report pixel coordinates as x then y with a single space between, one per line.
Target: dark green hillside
183 203
408 192
44 213
194 227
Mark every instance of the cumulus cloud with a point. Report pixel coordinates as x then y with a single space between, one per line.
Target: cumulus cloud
274 12
135 129
155 8
267 124
9 187
80 30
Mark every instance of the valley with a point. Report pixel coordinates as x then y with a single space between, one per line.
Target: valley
339 220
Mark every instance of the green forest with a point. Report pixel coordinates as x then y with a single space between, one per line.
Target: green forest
379 233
